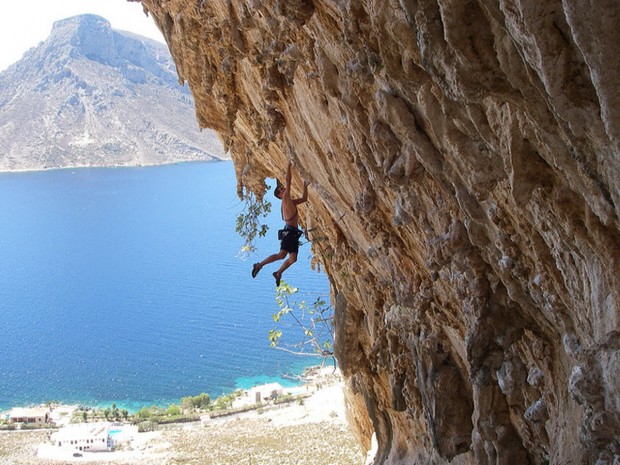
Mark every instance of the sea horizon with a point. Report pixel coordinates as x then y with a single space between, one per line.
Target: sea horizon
139 268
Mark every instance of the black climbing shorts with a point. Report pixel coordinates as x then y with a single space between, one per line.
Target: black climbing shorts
289 239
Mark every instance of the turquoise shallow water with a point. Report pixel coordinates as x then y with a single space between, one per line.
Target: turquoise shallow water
125 285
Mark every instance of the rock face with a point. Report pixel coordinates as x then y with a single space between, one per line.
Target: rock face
93 96
464 200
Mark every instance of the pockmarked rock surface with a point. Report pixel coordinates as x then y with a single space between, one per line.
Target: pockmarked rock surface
90 95
465 194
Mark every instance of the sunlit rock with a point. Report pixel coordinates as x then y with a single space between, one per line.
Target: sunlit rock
465 191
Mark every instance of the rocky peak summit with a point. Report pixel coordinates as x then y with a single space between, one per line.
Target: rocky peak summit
92 37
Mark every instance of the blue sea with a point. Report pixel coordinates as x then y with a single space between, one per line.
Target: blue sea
126 285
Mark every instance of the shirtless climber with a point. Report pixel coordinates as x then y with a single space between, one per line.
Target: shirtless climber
289 236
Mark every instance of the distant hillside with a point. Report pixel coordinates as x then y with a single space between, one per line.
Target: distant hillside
90 95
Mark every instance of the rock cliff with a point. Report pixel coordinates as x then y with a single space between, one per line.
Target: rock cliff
464 166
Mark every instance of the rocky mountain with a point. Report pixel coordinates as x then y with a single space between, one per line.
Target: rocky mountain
464 169
90 95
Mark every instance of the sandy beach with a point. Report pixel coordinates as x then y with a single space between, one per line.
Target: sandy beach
312 432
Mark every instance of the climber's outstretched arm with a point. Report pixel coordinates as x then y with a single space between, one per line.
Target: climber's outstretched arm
304 195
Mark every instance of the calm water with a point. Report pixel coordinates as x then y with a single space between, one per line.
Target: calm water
125 285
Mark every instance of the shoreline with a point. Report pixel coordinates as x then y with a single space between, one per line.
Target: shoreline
305 378
214 159
312 431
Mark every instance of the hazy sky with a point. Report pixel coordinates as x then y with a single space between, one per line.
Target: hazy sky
25 23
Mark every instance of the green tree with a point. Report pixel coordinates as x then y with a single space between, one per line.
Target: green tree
200 401
249 223
143 414
187 403
115 413
313 323
203 400
173 410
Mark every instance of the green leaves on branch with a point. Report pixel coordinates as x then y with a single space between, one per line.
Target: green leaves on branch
249 222
313 324
274 337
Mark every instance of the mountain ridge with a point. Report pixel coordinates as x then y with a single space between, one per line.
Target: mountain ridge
90 95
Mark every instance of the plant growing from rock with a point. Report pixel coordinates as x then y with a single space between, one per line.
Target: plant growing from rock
313 323
249 223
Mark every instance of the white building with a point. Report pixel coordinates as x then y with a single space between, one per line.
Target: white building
93 437
37 416
265 392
